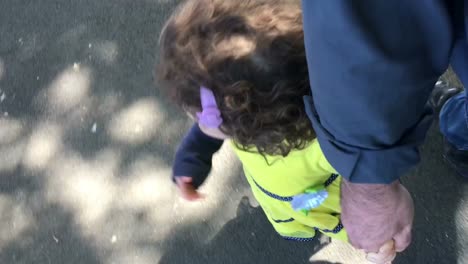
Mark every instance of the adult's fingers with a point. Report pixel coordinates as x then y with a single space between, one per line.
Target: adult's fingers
403 239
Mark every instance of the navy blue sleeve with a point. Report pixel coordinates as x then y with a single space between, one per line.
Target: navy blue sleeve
193 157
372 67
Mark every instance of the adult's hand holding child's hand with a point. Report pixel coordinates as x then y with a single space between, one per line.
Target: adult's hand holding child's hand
187 190
374 214
385 255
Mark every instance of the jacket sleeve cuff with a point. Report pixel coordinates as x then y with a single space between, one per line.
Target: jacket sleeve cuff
373 165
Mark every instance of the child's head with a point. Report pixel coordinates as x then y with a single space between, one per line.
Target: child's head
250 53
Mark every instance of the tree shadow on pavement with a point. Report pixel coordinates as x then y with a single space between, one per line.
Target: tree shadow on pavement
52 239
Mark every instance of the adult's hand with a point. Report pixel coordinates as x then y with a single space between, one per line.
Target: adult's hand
374 214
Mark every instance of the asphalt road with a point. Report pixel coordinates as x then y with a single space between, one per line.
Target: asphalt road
86 144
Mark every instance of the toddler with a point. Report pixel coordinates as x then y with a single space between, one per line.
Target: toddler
239 69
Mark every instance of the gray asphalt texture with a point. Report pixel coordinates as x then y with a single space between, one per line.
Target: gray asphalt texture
86 145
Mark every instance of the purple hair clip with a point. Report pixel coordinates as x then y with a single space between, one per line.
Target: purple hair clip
210 116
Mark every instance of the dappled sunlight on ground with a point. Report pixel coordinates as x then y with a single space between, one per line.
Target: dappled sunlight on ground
43 145
119 210
86 167
70 88
147 184
225 166
15 220
124 208
138 123
10 130
84 186
10 156
12 143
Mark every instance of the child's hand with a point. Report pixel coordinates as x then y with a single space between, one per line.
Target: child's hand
187 190
385 255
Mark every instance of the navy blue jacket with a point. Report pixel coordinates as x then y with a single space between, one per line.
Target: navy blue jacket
372 66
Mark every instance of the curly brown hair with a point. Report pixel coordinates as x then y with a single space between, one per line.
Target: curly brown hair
251 54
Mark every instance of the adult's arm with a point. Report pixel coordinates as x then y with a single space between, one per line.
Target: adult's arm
372 66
